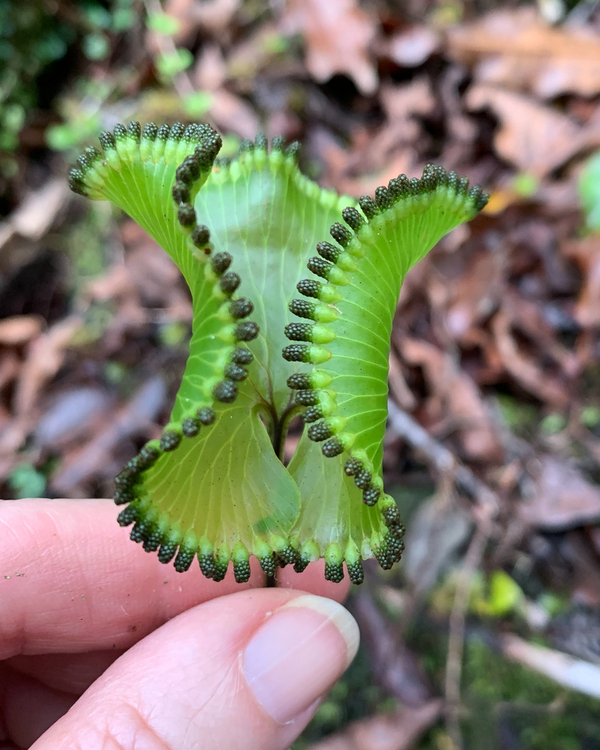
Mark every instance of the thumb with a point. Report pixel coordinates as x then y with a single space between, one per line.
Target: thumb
244 670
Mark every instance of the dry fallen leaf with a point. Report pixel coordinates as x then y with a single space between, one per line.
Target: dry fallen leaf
534 138
438 529
517 49
95 457
337 35
44 358
20 329
412 47
475 294
533 378
586 253
232 115
561 496
210 15
36 212
455 398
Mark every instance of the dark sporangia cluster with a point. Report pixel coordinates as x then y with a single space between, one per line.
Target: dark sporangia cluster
241 308
227 390
261 143
207 143
328 251
355 572
241 570
200 162
169 440
296 353
184 559
299 381
309 288
334 571
363 480
320 431
320 267
332 447
312 414
340 234
307 397
303 308
353 218
299 331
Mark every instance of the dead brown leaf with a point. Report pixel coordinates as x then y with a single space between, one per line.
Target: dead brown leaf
20 329
561 497
95 457
476 293
412 47
533 378
517 49
534 138
44 358
338 34
36 212
586 254
454 398
438 529
401 104
398 731
232 114
211 15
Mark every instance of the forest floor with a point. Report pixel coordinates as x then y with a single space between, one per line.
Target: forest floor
493 443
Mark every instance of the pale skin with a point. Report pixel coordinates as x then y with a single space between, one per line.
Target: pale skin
104 648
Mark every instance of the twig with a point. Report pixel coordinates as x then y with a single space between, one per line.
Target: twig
445 462
456 636
486 510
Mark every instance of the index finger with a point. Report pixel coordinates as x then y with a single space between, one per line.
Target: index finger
71 581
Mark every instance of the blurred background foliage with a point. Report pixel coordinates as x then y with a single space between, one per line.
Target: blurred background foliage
493 449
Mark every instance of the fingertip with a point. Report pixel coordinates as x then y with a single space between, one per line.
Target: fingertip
313 580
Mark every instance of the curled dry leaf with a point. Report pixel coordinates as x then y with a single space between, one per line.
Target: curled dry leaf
20 329
455 398
44 358
37 212
439 528
586 254
534 138
95 457
517 49
211 15
561 497
523 369
410 48
476 293
338 34
401 104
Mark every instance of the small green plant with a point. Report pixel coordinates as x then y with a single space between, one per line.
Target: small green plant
270 342
589 191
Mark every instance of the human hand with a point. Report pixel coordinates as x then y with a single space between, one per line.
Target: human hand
163 660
